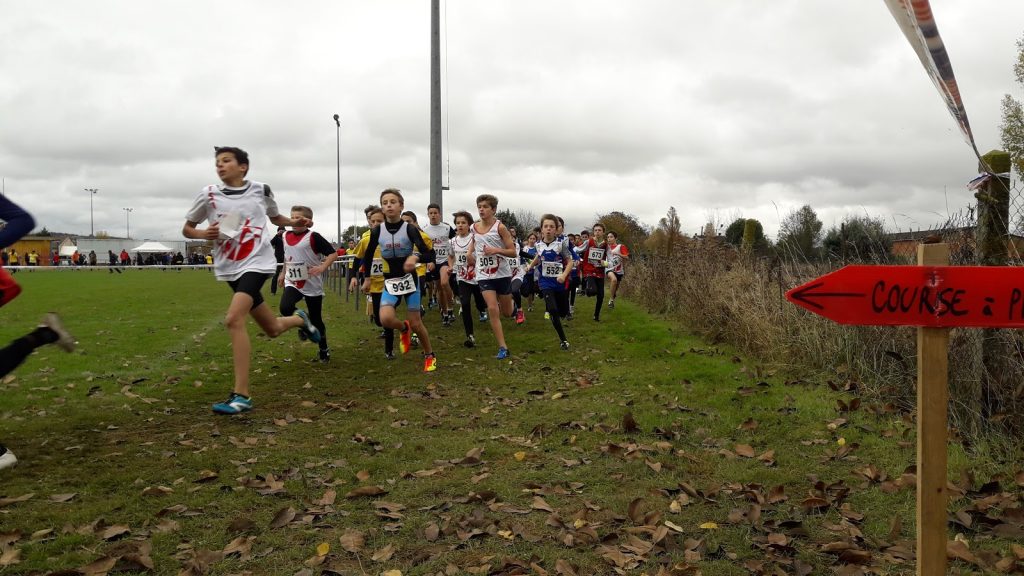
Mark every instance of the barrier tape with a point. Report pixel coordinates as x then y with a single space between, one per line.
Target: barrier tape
917 23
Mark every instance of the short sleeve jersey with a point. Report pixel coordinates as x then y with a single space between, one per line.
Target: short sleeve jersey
303 251
247 248
553 256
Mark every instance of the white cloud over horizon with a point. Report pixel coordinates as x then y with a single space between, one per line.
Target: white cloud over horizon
579 108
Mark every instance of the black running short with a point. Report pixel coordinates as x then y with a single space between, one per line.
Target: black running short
250 283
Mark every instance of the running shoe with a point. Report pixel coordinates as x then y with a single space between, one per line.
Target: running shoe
324 356
520 316
389 355
405 338
382 333
564 345
470 341
65 341
7 458
307 329
483 316
547 315
502 353
415 341
611 304
429 363
529 309
235 404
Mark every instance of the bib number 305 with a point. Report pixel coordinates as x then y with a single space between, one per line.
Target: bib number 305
401 286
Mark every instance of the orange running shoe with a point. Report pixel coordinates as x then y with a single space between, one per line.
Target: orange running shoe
429 363
405 339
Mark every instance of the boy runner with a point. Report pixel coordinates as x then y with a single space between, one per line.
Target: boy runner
50 331
492 247
238 211
307 255
375 217
593 256
554 260
401 247
438 273
617 255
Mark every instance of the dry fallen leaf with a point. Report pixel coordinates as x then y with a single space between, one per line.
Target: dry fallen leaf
744 450
709 526
519 456
283 517
384 554
323 548
363 475
352 541
63 497
366 491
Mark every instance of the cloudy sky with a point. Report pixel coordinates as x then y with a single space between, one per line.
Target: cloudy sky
720 108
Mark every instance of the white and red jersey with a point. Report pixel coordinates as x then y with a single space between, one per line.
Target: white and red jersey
518 270
490 266
245 234
440 235
303 251
615 258
460 254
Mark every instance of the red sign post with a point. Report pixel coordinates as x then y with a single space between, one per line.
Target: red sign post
934 297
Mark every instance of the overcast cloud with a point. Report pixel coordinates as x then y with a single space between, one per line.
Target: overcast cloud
719 108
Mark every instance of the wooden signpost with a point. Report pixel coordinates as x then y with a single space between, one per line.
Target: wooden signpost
934 297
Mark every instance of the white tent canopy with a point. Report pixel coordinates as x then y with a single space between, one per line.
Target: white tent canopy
151 248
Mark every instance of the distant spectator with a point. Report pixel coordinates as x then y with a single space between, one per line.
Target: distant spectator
125 258
33 258
92 257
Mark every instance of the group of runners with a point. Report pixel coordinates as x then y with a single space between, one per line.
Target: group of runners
477 263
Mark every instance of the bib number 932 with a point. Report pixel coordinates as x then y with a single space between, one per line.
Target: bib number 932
400 286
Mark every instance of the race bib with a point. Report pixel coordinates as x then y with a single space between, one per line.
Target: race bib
377 268
462 260
595 256
297 272
400 286
490 261
230 225
550 269
441 251
615 261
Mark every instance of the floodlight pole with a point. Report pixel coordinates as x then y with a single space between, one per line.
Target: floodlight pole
92 223
127 224
337 131
435 103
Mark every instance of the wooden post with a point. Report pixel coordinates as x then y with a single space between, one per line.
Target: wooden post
932 404
993 237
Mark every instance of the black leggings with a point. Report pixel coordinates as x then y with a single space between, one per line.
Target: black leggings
15 353
599 283
389 334
314 305
467 293
574 283
557 308
517 297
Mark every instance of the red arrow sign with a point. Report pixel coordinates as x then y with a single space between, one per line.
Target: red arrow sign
933 296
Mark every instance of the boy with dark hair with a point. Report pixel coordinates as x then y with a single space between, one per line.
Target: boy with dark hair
438 272
238 211
554 260
617 255
593 254
307 255
492 248
376 275
402 247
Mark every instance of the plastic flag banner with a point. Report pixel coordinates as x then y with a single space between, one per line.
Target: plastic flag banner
918 25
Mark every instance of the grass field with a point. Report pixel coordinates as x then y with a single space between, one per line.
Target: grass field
642 450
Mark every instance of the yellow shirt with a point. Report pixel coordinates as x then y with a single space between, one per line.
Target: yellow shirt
376 282
421 269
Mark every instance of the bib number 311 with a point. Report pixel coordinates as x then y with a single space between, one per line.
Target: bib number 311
401 286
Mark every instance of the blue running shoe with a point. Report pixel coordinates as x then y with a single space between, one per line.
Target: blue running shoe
502 353
307 330
235 404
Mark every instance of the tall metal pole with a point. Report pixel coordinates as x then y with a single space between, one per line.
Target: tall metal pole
435 103
92 224
337 122
127 224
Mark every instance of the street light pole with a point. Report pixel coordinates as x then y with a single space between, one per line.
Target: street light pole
92 223
337 122
127 224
